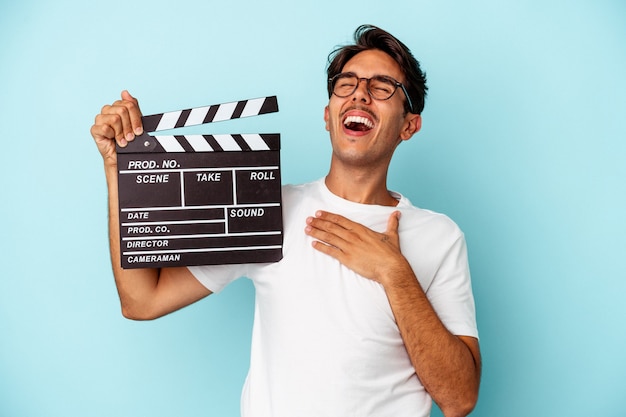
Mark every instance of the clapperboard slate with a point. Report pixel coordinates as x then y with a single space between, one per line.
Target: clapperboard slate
201 199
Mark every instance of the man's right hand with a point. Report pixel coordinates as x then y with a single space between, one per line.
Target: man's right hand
119 122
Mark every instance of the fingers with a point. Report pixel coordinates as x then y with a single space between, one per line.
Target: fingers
330 228
338 231
365 251
331 237
344 227
120 121
135 116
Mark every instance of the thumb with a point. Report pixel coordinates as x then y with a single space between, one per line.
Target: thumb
393 223
126 96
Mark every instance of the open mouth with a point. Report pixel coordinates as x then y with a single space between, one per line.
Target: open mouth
358 123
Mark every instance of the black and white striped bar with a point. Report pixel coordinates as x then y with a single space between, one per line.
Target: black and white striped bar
203 143
210 114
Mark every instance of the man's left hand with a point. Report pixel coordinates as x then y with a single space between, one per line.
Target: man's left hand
368 253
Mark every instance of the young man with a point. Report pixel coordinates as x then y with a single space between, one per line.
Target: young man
370 312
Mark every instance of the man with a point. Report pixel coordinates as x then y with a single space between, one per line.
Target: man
370 312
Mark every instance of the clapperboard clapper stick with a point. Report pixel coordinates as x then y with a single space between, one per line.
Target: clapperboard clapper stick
201 199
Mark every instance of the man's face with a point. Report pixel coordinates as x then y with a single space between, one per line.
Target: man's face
365 131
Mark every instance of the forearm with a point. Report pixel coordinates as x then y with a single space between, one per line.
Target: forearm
447 366
136 287
147 293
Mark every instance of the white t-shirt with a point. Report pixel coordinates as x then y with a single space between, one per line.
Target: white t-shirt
325 342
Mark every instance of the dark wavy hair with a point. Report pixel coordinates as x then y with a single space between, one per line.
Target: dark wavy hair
367 37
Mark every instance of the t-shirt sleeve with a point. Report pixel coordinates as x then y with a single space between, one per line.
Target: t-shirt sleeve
217 277
451 291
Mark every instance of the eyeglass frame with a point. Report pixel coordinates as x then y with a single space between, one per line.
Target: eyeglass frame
396 83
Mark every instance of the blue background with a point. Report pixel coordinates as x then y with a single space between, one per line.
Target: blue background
523 145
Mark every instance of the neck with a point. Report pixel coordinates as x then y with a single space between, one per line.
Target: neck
360 186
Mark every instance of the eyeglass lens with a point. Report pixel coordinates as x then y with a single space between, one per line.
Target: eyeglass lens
379 87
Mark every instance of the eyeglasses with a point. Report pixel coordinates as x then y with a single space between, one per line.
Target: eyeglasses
379 87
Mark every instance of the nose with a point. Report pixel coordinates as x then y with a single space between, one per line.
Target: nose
361 93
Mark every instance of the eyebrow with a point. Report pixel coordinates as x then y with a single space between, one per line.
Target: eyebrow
375 75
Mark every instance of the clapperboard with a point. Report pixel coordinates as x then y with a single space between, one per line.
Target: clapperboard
201 199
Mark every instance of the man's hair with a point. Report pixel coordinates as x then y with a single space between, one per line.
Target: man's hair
367 37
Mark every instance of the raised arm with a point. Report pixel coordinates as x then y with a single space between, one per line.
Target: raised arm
144 293
448 366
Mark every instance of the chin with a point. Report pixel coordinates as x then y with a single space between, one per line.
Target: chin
354 157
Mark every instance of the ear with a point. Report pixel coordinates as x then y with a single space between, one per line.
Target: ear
412 125
326 118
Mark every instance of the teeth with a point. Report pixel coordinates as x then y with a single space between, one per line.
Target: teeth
359 119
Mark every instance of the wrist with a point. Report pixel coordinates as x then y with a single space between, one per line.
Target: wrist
397 274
